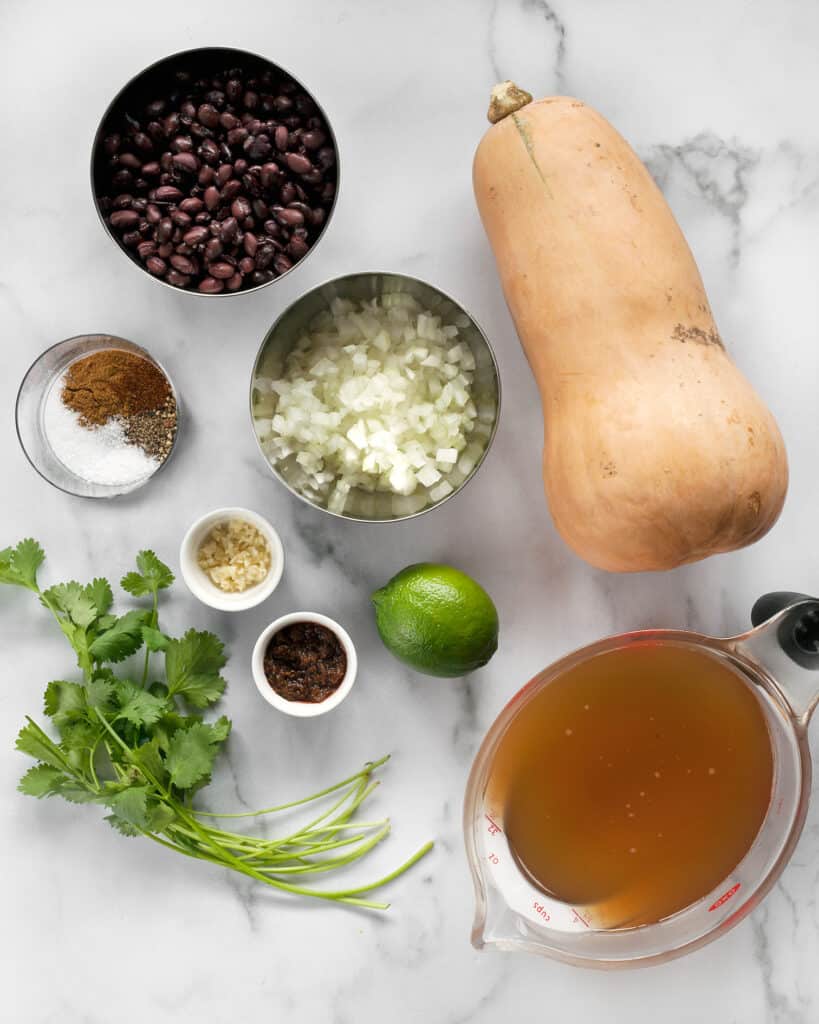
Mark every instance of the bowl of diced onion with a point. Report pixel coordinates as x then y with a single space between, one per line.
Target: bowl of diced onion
375 397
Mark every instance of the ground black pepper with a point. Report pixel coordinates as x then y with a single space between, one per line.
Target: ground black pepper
305 662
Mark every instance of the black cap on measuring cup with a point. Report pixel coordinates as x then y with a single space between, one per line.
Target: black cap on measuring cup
798 633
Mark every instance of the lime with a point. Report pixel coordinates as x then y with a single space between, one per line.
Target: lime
437 619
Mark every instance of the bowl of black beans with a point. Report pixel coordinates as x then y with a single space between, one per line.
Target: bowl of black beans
215 171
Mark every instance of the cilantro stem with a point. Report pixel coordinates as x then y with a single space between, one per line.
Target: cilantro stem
367 770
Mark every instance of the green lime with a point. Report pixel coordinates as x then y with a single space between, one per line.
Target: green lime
437 619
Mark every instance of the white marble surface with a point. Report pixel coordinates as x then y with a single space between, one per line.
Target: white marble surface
720 98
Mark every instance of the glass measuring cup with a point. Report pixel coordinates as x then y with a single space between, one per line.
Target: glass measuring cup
777 660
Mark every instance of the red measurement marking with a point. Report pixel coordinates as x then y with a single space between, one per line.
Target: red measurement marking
493 829
541 911
493 858
725 897
579 917
779 803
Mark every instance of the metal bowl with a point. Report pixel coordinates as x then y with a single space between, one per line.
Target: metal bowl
34 389
156 79
367 507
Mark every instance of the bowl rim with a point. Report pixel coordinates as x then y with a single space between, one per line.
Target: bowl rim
98 136
147 355
489 441
207 592
301 709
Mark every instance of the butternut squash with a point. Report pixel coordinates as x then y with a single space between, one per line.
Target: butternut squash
657 450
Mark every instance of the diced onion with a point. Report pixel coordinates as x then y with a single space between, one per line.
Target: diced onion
376 396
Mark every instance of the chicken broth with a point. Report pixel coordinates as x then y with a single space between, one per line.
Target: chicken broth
635 783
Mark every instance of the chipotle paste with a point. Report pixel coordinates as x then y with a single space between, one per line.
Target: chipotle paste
305 662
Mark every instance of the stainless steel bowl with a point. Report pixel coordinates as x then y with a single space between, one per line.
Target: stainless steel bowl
284 333
34 389
152 81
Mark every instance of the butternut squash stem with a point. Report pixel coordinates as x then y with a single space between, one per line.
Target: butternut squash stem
506 99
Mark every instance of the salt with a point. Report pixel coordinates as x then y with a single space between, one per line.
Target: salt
100 455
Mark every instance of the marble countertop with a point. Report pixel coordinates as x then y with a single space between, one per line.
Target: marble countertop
719 99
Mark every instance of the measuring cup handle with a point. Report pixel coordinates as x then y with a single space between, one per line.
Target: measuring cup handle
798 633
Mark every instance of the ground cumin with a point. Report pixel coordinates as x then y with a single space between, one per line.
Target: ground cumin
113 383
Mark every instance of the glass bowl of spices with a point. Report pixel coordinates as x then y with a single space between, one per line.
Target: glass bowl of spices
231 559
304 664
97 416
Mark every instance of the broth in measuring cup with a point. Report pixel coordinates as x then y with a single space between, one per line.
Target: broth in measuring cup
635 783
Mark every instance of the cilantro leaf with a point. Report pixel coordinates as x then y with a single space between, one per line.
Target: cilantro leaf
120 640
192 666
136 705
152 577
191 753
19 565
131 806
99 691
33 741
72 599
100 594
155 639
41 780
149 758
64 701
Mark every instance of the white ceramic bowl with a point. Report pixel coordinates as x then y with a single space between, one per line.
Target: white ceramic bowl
297 708
198 581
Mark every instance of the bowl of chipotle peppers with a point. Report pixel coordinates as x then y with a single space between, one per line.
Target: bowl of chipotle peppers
304 664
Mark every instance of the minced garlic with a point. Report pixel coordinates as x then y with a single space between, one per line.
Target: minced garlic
235 555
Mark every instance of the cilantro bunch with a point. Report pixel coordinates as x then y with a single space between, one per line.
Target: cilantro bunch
142 749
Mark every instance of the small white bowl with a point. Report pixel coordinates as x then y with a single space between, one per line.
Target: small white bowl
201 585
297 708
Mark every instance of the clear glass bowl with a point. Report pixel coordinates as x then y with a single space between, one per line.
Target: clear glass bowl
31 398
367 507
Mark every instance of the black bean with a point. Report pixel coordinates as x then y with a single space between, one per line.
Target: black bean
221 270
258 147
206 176
156 131
120 219
164 250
281 138
183 264
213 249
216 98
181 144
313 139
297 247
228 121
208 115
326 157
250 99
239 167
191 205
195 235
143 142
186 162
264 256
129 160
169 194
211 197
181 219
210 285
260 277
234 283
151 170
178 280
188 110
156 266
229 231
153 213
224 172
282 263
240 208
230 190
234 89
236 136
164 230
111 144
246 265
289 217
146 249
250 243
203 217
314 177
171 123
